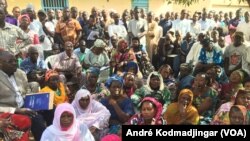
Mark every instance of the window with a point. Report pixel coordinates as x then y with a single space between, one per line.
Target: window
54 4
140 4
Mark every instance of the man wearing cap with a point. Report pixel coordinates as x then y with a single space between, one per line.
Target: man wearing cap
97 56
235 53
209 56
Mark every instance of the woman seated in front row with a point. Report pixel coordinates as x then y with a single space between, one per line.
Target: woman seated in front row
182 112
91 112
150 113
119 105
66 127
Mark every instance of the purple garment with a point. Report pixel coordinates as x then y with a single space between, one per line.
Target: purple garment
10 19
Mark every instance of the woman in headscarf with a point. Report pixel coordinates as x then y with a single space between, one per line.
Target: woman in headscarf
238 115
119 105
122 56
91 112
97 56
236 79
222 114
133 68
182 112
111 137
91 83
168 79
129 84
205 98
66 127
24 21
154 88
150 113
56 88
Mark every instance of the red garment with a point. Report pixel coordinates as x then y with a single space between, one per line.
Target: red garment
19 128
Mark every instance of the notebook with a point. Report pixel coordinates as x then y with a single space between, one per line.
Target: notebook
39 101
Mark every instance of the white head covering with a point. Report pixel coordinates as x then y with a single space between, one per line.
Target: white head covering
82 93
94 115
160 77
99 44
73 133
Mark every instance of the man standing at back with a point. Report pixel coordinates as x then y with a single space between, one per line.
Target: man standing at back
68 29
9 35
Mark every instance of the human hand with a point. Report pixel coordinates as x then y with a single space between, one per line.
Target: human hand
112 101
25 111
92 129
4 123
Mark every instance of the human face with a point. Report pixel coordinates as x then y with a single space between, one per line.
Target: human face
66 14
184 71
30 12
2 15
165 72
154 82
74 13
235 77
51 14
55 49
84 102
247 86
135 43
33 55
148 110
185 100
236 117
137 14
3 4
82 45
243 99
98 50
129 80
246 16
24 22
237 40
16 12
200 81
66 119
114 41
211 73
221 42
58 13
53 81
9 63
68 48
116 18
92 78
115 89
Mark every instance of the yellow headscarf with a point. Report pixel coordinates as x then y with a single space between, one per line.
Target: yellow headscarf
173 116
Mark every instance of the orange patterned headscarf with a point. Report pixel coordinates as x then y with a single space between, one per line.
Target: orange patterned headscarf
50 73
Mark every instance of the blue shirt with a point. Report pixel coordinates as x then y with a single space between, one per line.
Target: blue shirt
27 66
215 58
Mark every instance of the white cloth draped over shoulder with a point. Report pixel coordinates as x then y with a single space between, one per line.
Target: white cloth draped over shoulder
95 114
